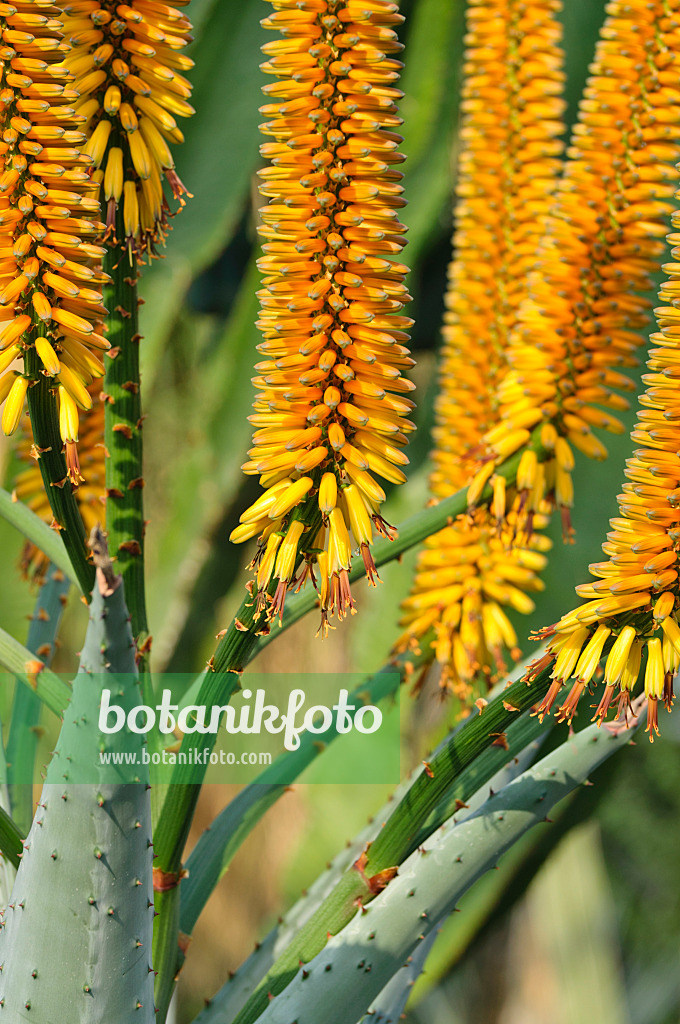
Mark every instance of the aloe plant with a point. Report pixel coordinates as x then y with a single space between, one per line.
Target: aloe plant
366 955
92 840
556 245
232 997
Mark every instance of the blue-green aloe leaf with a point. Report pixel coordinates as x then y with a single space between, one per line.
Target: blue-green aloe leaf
234 994
389 1005
76 941
356 964
22 741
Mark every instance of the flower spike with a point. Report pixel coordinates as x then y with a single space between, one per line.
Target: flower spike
580 324
470 573
331 410
128 68
50 271
635 595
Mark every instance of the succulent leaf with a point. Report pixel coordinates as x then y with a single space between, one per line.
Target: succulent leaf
358 962
76 941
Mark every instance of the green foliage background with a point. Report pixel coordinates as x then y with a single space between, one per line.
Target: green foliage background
199 347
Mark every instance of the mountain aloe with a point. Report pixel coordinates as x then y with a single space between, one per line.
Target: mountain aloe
556 245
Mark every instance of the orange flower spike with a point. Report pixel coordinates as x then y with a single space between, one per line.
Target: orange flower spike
129 72
331 406
471 572
49 214
603 239
636 593
506 177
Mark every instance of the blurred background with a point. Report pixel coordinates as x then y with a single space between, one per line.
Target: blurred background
585 928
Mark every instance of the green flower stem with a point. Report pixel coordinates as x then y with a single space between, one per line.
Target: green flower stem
165 948
432 785
215 849
170 835
485 734
42 408
180 797
125 524
22 663
123 432
38 532
22 741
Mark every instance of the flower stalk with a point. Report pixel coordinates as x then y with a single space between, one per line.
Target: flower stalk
123 434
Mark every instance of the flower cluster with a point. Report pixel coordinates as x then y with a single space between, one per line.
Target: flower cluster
631 610
508 168
331 410
50 270
90 496
128 73
604 238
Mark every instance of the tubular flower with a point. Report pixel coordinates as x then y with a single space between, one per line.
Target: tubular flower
330 412
50 272
604 238
636 594
508 169
128 72
28 486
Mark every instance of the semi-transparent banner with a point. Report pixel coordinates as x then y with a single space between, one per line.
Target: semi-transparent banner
274 728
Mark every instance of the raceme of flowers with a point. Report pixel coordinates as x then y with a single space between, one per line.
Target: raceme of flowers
580 325
50 269
631 611
484 562
28 486
128 68
331 412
